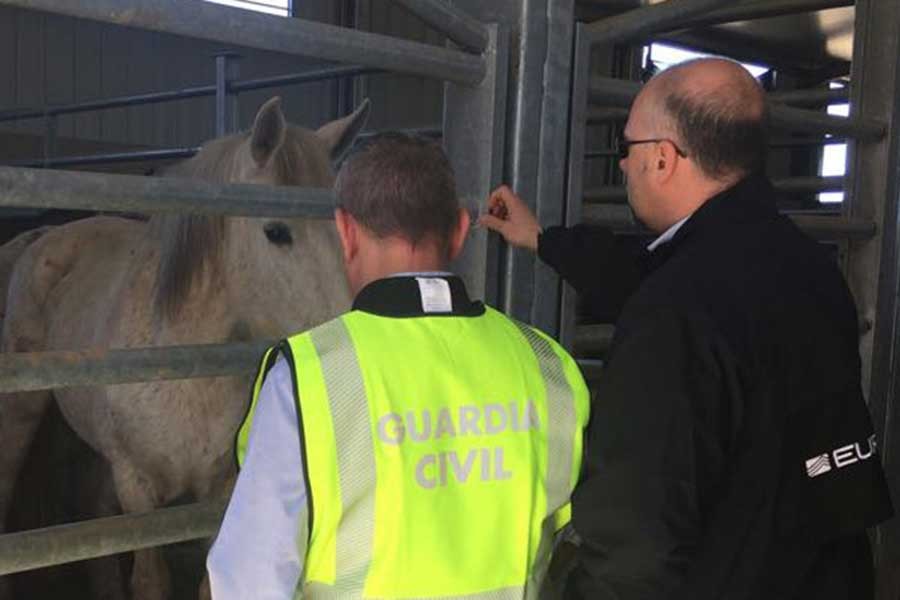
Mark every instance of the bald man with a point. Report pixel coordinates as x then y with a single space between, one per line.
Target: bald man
730 454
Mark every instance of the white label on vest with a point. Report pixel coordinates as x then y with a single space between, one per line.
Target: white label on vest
435 295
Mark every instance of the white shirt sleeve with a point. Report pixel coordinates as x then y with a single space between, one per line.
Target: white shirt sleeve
257 553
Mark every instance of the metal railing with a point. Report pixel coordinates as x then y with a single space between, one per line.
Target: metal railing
468 73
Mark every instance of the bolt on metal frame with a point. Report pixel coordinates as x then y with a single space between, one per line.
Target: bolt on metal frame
474 125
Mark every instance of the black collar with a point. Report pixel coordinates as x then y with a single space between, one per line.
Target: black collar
750 200
400 296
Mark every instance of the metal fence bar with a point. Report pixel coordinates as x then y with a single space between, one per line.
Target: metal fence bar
185 93
618 92
619 218
454 23
31 371
107 158
62 544
35 188
648 20
815 97
161 154
616 193
763 9
248 85
233 26
597 115
593 339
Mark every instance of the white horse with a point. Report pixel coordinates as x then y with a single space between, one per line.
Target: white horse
108 282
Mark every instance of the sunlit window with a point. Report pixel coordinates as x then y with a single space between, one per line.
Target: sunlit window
834 156
281 8
664 56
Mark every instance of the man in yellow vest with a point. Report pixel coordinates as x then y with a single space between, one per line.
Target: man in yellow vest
422 445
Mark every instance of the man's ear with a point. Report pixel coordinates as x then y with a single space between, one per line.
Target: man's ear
458 238
348 232
665 159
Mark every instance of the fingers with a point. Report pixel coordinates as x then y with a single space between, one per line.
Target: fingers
503 196
493 223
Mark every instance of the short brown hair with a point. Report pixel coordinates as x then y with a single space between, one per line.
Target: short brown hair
396 184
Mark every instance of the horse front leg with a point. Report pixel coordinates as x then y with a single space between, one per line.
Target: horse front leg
150 578
20 416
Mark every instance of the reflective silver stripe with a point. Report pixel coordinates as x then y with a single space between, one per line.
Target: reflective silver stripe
355 455
561 419
319 591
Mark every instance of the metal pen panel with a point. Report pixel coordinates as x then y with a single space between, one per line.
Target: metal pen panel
761 9
31 371
790 185
474 138
575 177
234 26
458 26
35 188
647 20
873 266
63 544
619 218
550 201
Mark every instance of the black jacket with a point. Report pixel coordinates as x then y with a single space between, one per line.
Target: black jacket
728 454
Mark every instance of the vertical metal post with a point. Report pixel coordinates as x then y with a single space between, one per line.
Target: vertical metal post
51 126
226 98
537 153
872 265
575 181
474 138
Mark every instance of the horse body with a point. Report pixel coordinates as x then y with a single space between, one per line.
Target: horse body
108 282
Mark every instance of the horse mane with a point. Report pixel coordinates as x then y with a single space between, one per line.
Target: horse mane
190 245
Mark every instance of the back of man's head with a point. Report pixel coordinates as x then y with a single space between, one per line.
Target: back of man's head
400 186
718 112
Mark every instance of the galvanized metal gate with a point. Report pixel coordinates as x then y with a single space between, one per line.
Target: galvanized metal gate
866 229
512 112
475 72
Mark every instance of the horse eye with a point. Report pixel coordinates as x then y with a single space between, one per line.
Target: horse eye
279 234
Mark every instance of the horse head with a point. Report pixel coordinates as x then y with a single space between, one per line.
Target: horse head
277 276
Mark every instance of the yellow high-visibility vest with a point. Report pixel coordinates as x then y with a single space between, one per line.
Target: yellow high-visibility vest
440 454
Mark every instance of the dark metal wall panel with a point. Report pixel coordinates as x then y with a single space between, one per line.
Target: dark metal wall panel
29 57
8 45
88 53
400 101
52 59
59 71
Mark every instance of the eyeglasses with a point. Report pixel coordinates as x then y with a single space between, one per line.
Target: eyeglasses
623 145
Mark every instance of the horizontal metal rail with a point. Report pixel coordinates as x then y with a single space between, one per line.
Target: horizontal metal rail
591 369
593 340
161 154
619 218
185 93
648 20
815 97
763 9
608 91
801 142
44 188
597 115
31 371
63 544
106 158
617 193
236 27
458 26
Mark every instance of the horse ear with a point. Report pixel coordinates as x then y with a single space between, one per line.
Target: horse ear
269 131
339 135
